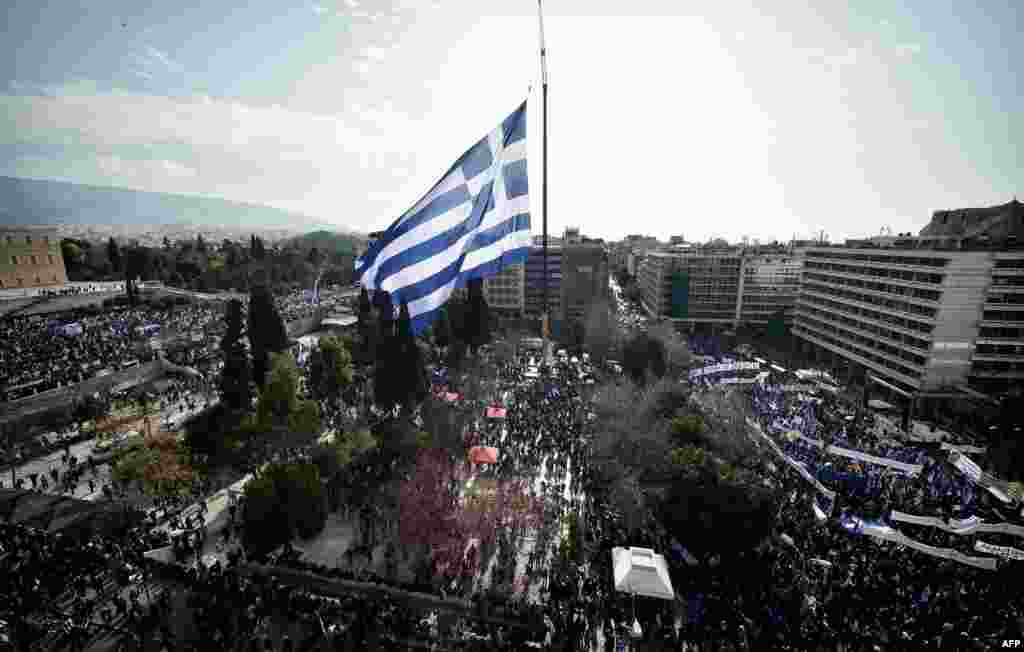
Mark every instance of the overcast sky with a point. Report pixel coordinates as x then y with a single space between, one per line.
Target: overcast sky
712 119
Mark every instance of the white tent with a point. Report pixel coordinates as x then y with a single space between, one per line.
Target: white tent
640 571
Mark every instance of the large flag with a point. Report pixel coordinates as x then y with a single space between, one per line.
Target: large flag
473 222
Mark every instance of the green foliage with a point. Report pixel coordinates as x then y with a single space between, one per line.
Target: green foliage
279 397
283 501
643 355
267 333
689 457
213 434
330 370
338 454
688 429
236 376
305 419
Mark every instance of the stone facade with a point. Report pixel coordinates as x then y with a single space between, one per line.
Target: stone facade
30 258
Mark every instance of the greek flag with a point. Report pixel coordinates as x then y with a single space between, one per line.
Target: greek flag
471 224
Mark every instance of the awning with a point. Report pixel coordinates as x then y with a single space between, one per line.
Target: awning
640 571
483 455
496 412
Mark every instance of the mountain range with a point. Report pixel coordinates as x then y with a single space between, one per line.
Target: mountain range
37 202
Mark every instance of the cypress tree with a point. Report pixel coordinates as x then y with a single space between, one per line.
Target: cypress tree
409 371
236 377
267 333
384 379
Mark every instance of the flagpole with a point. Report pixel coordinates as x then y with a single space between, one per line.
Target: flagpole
545 324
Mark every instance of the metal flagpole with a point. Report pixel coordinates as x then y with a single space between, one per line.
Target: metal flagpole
545 324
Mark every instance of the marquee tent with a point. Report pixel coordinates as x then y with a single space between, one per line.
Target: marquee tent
640 571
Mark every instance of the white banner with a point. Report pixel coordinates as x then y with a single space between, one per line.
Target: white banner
723 368
966 465
972 525
974 450
882 532
912 469
831 495
1006 552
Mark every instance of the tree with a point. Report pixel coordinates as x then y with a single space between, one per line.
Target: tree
281 502
267 333
643 354
258 250
200 243
410 373
114 254
236 375
677 354
305 421
314 257
71 252
159 464
330 370
477 325
279 397
386 384
602 335
167 244
442 329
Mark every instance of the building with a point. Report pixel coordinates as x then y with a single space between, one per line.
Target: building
769 285
505 292
915 315
695 285
572 236
676 240
30 257
584 279
533 297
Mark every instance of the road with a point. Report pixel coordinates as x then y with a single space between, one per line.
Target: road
174 414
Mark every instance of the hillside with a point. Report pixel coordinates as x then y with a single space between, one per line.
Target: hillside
995 222
30 201
345 244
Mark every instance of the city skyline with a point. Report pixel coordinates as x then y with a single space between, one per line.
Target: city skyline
729 124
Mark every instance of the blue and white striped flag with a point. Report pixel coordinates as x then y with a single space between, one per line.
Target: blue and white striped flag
473 222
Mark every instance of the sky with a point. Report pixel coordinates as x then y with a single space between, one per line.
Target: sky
728 119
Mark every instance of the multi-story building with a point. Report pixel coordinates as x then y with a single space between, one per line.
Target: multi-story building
533 302
921 314
30 257
506 291
695 285
997 362
584 279
769 285
572 236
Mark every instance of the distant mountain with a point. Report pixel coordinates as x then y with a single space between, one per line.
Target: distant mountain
31 201
327 241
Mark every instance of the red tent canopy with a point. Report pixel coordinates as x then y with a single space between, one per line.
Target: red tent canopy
483 455
451 397
495 412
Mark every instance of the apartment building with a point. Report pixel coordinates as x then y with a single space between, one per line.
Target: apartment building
997 362
584 279
721 285
917 316
505 292
769 285
533 302
30 257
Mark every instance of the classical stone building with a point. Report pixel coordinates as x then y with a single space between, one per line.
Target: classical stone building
30 258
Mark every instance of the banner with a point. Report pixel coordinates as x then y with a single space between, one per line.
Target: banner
1006 552
163 555
972 525
912 469
992 484
885 533
974 450
799 468
966 465
723 368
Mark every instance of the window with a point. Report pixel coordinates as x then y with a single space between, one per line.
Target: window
51 259
34 260
14 260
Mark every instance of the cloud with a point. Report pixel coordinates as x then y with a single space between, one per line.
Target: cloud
320 10
352 4
906 50
376 53
362 67
143 74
